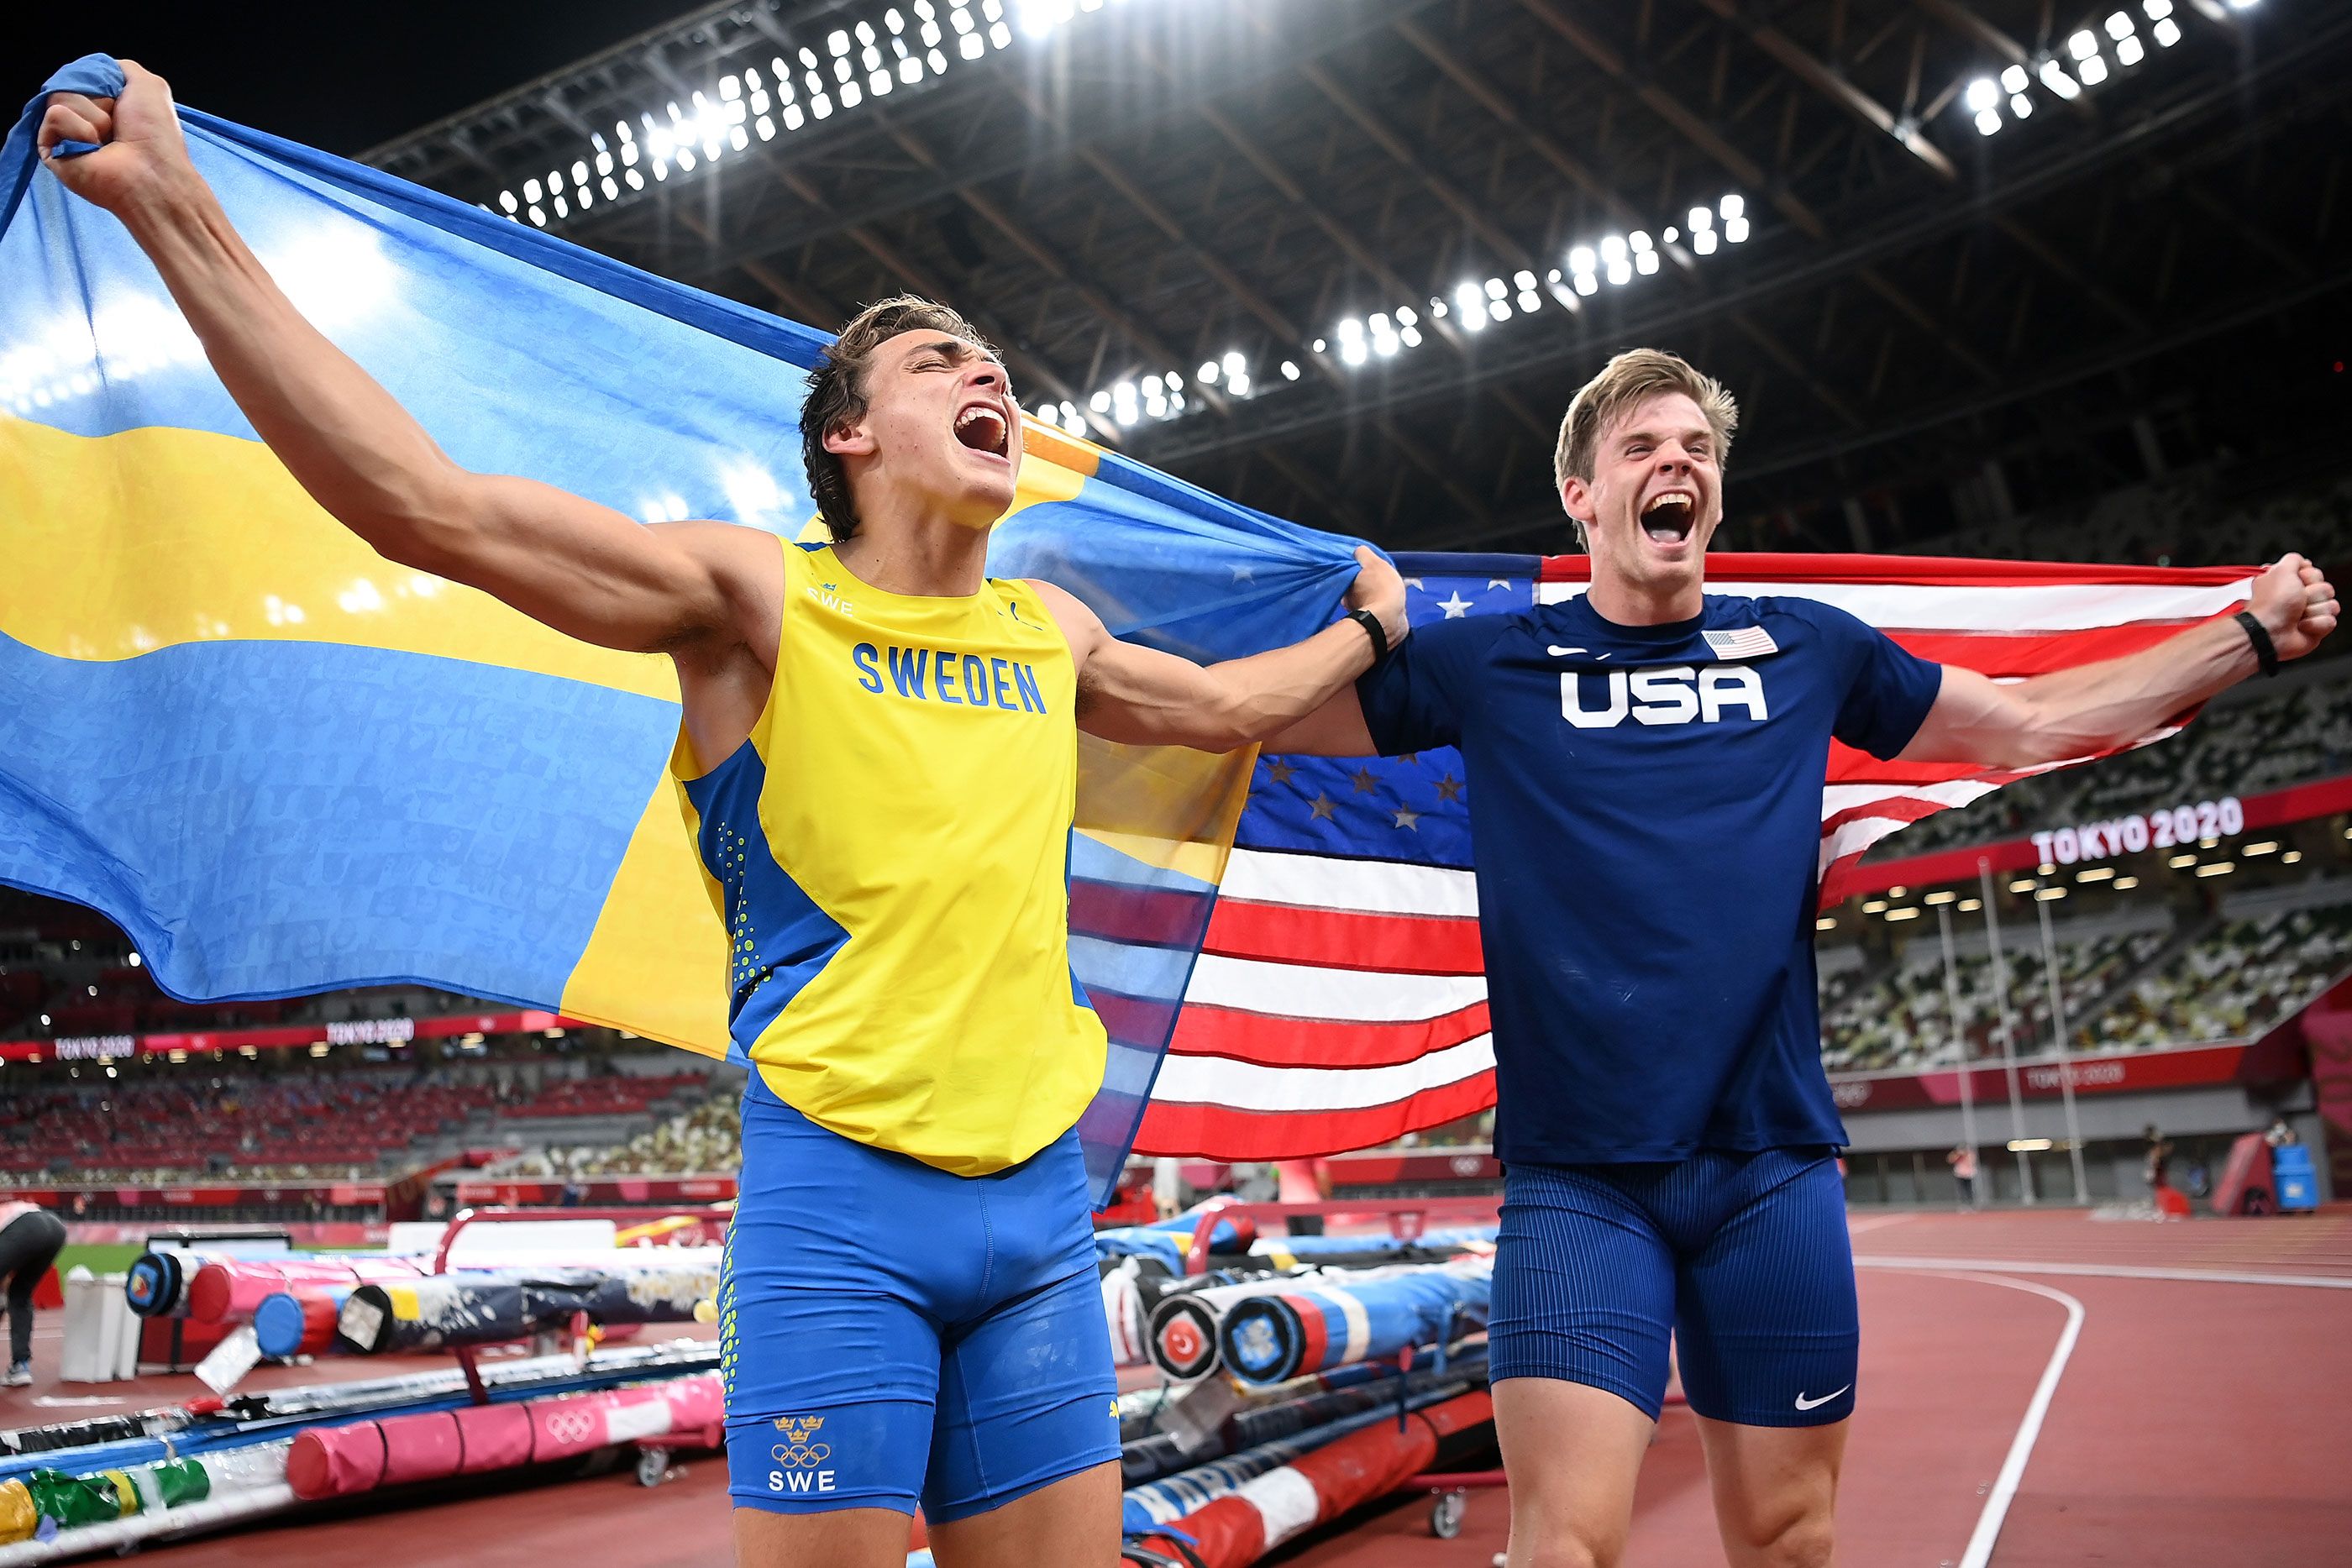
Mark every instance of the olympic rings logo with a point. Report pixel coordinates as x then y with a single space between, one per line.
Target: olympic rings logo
800 1457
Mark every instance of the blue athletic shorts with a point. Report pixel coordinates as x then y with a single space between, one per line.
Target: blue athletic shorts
892 1333
1742 1258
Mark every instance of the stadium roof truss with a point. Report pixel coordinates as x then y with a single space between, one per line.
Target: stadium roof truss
1347 259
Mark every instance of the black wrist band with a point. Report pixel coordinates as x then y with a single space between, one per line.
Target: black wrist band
1378 632
2265 651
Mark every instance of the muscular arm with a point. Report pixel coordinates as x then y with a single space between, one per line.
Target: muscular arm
577 566
2093 708
1141 697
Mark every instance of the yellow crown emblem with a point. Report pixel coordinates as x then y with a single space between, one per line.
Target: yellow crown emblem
799 1429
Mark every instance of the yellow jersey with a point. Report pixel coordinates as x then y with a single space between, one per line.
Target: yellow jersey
889 852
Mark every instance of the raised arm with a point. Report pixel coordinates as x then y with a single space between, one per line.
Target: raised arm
577 566
1146 697
2093 708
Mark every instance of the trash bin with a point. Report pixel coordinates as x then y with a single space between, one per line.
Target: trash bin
2292 1175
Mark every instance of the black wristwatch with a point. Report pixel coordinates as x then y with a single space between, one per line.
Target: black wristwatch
2265 651
1378 632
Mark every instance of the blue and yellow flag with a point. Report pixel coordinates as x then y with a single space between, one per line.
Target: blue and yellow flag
283 764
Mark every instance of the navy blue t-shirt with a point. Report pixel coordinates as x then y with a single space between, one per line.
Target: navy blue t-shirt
1645 811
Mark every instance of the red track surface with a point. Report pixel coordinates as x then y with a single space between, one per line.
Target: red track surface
2192 1425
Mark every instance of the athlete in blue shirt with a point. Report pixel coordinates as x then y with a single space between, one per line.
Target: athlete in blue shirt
1646 763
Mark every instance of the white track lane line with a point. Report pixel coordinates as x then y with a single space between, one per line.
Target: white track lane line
2021 1447
2110 1272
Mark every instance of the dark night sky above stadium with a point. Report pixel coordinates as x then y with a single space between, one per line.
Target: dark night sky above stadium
338 76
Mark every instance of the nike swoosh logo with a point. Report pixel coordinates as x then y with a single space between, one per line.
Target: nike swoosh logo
1805 1403
1557 651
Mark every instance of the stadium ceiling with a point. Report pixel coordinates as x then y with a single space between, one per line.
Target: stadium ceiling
1346 260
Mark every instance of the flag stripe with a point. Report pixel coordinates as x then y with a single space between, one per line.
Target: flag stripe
1326 882
1230 1133
1240 1035
1346 938
1311 991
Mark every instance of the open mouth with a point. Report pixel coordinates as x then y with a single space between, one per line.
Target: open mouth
982 428
1669 516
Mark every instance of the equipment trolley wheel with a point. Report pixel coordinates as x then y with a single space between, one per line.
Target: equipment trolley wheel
1446 1512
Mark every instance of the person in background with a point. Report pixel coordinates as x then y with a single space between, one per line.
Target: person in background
2157 1161
1302 1181
2281 1133
30 1237
1963 1161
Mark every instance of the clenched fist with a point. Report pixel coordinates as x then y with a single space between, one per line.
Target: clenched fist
2296 605
141 154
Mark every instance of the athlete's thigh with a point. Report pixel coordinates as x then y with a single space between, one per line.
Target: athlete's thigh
1572 1453
1583 1288
1027 1391
840 1538
1073 1521
1767 1329
1775 1489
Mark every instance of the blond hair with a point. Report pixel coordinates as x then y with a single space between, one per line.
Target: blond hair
1623 385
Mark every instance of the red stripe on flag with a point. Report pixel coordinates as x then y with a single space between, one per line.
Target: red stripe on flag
1346 938
1221 1133
1244 1035
2036 653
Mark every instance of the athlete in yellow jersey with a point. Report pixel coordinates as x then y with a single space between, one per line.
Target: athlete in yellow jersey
878 751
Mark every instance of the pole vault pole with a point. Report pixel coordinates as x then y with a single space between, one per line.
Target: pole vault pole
2065 1063
1960 1045
2008 1031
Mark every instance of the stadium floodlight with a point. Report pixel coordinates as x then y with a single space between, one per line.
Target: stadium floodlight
1582 259
1351 330
2093 71
2021 107
1982 94
1734 229
1638 240
1499 310
2130 51
2083 45
2168 31
1523 279
2155 10
1495 289
1529 302
1099 402
2119 26
1988 121
2244 5
1290 371
1405 316
1239 386
1668 237
1732 206
1207 375
2054 78
1235 366
1412 336
2015 79
1645 262
1612 249
1703 242
1175 382
1701 220
1620 270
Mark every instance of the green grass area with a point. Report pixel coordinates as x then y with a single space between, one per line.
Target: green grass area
106 1258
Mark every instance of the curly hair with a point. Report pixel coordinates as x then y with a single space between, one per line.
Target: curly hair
836 393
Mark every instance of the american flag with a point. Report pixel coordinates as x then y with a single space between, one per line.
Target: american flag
1339 999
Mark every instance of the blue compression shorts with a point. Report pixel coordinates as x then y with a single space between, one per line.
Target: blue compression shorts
1743 1259
891 1334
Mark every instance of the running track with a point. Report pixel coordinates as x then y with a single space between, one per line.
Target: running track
2192 1422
